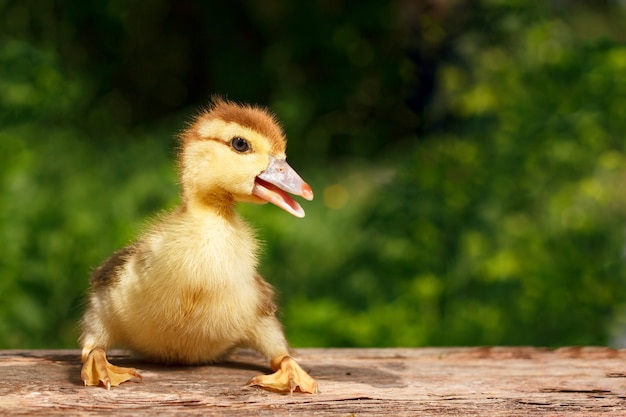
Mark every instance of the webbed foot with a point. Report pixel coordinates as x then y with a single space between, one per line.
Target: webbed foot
97 370
289 377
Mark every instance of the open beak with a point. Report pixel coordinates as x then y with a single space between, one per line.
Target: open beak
273 184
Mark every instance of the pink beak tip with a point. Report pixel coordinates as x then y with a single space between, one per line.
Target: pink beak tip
306 192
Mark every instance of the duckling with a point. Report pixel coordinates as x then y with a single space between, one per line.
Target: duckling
187 291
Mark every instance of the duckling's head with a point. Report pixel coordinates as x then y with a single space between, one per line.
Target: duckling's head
236 153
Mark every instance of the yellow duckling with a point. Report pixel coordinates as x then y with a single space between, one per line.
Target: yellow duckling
187 291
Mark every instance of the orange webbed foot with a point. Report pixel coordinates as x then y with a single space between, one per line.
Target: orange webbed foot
289 377
97 369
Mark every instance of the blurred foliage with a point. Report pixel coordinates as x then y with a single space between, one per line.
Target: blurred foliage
468 159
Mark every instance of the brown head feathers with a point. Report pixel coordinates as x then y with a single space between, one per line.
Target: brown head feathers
255 118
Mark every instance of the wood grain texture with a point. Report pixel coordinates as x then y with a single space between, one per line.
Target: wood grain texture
497 381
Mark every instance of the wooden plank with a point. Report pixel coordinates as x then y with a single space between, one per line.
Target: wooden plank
495 381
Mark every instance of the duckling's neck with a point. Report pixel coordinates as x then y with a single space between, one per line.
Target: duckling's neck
220 204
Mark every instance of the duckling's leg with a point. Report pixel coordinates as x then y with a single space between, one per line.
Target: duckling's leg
269 339
97 369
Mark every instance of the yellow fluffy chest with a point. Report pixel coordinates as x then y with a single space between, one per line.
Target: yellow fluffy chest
189 294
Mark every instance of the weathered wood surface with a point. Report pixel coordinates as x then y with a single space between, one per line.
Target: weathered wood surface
359 382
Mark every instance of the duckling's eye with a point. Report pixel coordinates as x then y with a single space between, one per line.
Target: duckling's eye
240 144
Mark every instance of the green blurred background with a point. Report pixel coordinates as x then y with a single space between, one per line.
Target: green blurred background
468 159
